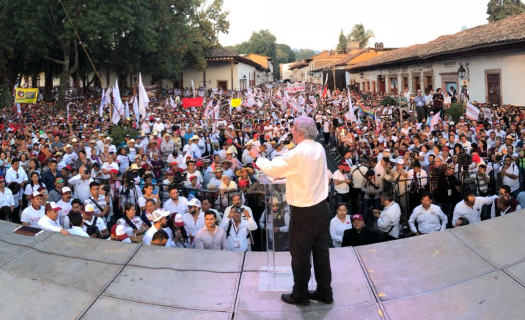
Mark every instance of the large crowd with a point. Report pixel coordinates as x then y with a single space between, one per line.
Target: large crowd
185 177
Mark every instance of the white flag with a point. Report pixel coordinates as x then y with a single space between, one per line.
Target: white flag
116 115
117 101
67 111
172 103
19 110
193 87
102 102
136 108
127 110
143 98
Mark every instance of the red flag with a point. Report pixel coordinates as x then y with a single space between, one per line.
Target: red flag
192 102
325 90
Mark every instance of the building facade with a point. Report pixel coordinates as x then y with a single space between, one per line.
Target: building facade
488 61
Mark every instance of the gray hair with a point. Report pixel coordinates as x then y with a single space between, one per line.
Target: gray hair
307 126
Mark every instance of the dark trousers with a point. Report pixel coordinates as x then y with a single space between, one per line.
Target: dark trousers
354 199
15 215
341 198
326 136
421 113
309 236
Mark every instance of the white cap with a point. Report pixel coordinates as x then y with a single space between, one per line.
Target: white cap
159 214
66 189
194 203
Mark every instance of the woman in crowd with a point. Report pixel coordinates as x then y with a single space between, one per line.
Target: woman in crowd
339 224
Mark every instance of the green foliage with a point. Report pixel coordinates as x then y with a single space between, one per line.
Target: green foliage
388 100
365 96
5 97
501 9
156 36
302 54
359 33
455 111
341 46
118 133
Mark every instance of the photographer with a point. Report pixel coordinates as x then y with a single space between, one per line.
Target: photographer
80 184
238 230
371 188
129 192
388 219
236 201
510 176
93 225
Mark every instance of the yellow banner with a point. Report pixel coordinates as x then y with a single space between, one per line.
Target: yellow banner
236 102
28 95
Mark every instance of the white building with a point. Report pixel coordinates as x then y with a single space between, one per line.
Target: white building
226 70
489 60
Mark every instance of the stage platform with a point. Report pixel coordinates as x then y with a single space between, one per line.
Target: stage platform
474 272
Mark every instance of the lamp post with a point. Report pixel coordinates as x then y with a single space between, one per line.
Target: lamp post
463 71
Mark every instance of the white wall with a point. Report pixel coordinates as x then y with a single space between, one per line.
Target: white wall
512 66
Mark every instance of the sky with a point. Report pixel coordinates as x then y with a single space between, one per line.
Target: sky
317 24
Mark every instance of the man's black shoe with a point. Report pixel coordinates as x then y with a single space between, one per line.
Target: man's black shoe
288 298
316 297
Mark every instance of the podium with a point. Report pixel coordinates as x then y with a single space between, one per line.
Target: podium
276 276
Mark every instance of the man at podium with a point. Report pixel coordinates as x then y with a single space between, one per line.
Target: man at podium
304 168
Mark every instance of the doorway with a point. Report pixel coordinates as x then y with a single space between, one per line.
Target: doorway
494 88
222 84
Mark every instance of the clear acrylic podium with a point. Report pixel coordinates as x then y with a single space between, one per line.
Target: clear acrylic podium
276 222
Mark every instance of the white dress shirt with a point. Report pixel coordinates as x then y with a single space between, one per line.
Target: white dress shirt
81 187
6 198
337 229
180 207
304 168
472 214
390 218
77 231
191 225
237 239
514 184
49 225
428 221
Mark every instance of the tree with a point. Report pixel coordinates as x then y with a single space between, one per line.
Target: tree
302 54
341 46
286 52
359 33
159 37
501 9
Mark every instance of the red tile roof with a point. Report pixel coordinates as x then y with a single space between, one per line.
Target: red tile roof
504 31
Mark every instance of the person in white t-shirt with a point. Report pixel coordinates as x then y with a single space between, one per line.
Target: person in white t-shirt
65 204
32 214
107 166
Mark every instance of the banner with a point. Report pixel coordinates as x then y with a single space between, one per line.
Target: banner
28 95
235 102
486 113
472 112
295 89
192 102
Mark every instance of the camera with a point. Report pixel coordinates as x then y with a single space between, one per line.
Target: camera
464 159
238 209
